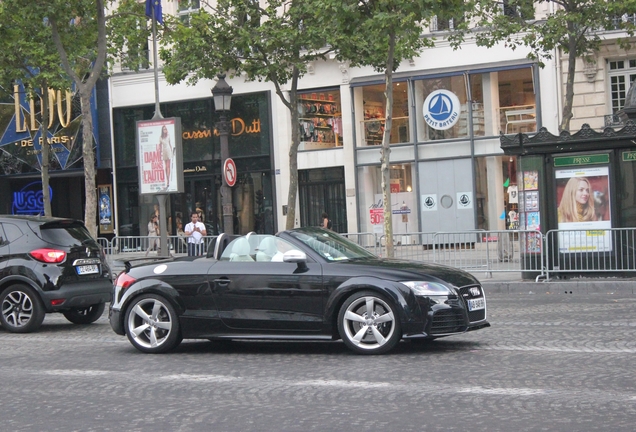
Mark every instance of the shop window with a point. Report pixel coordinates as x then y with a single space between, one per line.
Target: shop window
373 122
453 84
517 104
501 101
320 119
403 199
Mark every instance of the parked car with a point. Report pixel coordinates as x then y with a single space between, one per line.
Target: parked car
50 265
306 283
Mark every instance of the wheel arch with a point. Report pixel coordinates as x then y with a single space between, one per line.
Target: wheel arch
18 279
150 286
396 293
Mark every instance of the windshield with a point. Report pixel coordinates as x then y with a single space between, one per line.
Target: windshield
330 245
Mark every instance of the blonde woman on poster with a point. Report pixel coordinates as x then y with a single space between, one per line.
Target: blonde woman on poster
577 204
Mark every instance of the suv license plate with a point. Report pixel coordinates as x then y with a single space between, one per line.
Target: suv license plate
87 269
476 304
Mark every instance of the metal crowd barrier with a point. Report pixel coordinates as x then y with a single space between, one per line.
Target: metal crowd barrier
139 245
558 252
476 250
367 240
592 251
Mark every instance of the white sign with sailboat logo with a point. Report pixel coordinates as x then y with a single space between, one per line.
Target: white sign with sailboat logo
441 109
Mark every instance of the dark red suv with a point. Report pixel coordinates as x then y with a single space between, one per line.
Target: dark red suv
50 265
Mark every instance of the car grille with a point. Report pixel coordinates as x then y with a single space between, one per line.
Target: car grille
465 294
447 321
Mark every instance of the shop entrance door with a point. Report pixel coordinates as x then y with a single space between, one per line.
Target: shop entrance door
447 191
323 190
200 196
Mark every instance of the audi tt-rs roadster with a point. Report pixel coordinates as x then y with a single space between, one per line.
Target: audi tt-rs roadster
302 284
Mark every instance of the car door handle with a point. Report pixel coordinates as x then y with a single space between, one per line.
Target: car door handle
222 281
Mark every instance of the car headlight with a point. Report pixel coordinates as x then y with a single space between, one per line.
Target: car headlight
428 288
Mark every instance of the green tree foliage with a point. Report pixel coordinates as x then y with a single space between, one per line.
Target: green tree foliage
27 54
68 41
576 27
271 41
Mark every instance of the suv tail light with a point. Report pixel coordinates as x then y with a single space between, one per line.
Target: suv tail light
51 256
123 281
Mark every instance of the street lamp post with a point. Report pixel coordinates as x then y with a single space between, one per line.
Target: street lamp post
222 94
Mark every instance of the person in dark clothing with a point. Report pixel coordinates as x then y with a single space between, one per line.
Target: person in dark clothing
326 222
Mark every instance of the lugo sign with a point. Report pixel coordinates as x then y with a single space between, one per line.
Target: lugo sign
441 109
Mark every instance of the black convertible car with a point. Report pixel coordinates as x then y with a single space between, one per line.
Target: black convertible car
306 283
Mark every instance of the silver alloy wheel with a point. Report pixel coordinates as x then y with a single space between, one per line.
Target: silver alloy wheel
369 323
17 309
150 323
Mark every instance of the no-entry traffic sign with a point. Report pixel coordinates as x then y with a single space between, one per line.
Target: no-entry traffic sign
229 172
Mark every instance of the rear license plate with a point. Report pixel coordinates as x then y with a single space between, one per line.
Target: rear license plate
87 269
476 304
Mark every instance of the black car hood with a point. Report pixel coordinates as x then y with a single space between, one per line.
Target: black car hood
403 270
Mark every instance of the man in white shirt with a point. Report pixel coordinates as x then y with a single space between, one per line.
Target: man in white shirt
195 231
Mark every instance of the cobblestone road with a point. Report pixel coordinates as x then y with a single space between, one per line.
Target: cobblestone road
548 363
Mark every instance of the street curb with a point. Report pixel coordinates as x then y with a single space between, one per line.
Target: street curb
561 287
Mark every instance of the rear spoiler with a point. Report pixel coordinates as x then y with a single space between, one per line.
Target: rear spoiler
128 264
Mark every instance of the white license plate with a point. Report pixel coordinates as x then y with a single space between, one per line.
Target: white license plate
476 304
87 269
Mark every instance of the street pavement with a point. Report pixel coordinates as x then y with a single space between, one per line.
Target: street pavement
550 362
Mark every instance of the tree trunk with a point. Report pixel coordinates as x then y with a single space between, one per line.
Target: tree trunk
90 212
46 197
85 81
386 149
290 222
569 84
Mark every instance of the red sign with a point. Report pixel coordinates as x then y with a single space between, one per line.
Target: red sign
229 172
377 216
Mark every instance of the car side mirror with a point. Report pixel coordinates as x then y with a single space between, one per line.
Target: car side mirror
298 257
295 256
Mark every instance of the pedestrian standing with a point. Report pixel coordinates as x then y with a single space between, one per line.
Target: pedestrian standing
153 234
195 231
326 222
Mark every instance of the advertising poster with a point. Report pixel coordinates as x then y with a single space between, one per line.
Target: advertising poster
532 219
530 180
104 200
531 201
401 207
159 150
583 205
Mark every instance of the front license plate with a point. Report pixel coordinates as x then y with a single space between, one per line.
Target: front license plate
87 269
476 304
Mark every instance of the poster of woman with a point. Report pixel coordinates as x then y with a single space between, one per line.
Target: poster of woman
583 206
158 144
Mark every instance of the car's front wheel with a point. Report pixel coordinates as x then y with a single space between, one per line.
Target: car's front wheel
85 315
22 311
368 324
152 325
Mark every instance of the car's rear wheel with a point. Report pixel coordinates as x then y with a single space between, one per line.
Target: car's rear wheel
85 315
368 324
152 325
22 310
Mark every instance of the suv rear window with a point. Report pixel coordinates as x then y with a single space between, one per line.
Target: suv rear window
65 233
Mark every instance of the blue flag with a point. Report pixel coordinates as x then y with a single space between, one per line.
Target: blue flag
156 4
